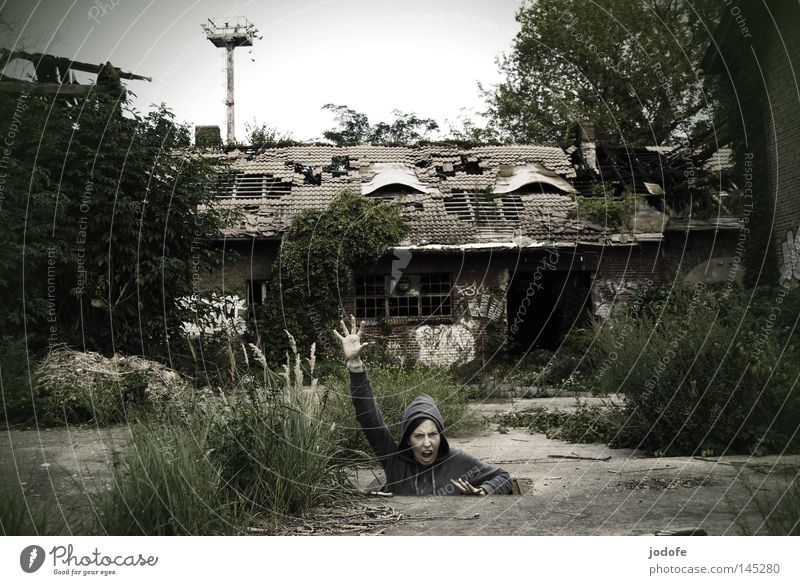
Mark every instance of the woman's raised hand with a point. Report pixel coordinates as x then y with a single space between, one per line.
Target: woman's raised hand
351 340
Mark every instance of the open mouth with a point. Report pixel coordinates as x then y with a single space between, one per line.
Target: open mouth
427 454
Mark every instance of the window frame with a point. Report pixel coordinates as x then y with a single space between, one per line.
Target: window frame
433 297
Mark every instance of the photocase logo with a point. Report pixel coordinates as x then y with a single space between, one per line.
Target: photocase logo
31 558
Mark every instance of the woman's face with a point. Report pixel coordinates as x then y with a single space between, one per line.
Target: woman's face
424 441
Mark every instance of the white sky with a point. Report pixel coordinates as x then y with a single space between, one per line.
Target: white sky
422 56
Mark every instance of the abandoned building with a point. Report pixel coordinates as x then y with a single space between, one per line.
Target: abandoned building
494 242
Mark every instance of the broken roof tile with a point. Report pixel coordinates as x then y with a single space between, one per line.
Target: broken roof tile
538 216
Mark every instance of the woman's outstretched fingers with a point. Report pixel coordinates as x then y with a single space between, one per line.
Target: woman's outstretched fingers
344 328
353 328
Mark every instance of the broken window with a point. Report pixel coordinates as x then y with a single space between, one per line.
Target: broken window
403 306
512 208
415 295
257 291
459 205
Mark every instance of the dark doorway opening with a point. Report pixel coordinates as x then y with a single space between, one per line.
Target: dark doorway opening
543 305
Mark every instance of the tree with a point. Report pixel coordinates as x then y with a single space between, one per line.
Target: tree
631 67
354 128
261 135
105 223
315 268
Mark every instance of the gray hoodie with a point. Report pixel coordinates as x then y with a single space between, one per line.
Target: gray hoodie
404 475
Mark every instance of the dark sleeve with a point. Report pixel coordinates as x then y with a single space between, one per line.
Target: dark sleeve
369 417
493 479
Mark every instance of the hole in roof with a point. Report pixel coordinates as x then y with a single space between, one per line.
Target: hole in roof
255 185
340 166
311 176
485 210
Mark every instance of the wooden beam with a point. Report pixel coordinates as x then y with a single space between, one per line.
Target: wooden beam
61 90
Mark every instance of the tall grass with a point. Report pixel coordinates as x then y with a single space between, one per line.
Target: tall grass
276 445
166 485
265 449
778 508
23 515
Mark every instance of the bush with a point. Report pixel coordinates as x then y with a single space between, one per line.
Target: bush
693 381
395 387
587 424
80 387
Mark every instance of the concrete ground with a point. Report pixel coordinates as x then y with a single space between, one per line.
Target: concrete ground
567 488
577 489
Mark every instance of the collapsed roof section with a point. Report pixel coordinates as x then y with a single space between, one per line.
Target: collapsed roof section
501 195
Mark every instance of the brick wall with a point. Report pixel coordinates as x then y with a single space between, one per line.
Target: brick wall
780 59
479 319
621 271
718 255
243 261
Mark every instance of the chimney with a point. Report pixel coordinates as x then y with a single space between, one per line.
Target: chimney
207 137
586 141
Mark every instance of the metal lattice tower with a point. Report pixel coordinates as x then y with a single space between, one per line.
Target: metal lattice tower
230 33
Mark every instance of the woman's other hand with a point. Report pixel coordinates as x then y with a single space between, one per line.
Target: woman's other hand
467 488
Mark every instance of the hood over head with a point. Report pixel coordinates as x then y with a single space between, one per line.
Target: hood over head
423 406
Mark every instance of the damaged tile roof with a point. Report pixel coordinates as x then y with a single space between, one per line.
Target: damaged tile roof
449 195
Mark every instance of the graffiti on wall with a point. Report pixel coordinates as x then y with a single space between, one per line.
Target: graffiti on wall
612 294
478 302
790 262
445 345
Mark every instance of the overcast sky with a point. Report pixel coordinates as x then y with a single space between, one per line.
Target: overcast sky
423 56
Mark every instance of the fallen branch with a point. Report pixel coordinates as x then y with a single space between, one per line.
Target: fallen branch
580 457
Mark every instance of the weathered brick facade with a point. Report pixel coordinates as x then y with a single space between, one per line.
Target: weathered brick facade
780 59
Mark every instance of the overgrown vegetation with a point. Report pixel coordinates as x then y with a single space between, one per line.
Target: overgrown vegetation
319 253
586 424
260 452
699 372
23 515
778 506
604 209
105 229
702 372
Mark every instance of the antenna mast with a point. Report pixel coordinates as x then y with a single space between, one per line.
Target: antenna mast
230 33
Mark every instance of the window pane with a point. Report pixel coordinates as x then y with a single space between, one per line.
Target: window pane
435 283
370 308
370 285
435 305
403 306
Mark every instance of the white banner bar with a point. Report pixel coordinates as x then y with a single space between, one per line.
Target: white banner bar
391 560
